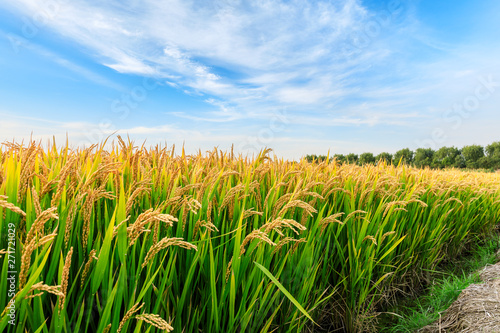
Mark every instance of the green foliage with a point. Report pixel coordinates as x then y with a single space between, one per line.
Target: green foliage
493 154
384 156
352 158
366 158
447 157
472 155
340 158
459 161
315 158
404 156
493 150
423 157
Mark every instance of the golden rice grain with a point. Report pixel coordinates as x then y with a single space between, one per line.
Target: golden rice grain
156 321
12 207
138 227
278 224
137 192
387 234
250 212
230 195
299 204
40 221
351 214
280 202
107 329
285 241
116 227
128 315
374 241
330 219
256 234
165 243
55 290
65 278
36 201
65 171
453 199
26 256
25 262
86 269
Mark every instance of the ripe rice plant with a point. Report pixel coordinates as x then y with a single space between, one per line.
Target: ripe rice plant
129 239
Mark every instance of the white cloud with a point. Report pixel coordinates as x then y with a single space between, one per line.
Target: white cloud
258 40
129 65
302 95
331 63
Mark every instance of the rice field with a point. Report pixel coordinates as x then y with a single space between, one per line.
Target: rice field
135 239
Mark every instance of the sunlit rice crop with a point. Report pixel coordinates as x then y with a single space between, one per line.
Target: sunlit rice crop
128 238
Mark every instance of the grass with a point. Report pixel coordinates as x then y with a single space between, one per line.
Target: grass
447 284
149 240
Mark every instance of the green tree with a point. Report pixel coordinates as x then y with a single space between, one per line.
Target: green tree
446 157
340 158
485 162
472 155
493 152
459 161
384 156
322 158
315 158
404 155
352 158
310 158
366 158
423 157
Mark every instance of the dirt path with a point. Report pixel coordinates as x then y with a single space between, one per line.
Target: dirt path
477 309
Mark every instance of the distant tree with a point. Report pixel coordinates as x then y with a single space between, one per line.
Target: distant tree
485 162
404 155
366 158
493 153
352 158
423 157
459 161
472 155
445 157
386 157
322 158
340 158
315 158
310 158
493 150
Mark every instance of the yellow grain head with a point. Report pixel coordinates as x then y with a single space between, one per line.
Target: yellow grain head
128 315
65 278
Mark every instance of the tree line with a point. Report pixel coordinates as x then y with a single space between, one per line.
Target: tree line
471 157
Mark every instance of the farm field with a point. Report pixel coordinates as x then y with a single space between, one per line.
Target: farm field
135 239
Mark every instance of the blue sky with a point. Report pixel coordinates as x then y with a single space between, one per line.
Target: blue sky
300 77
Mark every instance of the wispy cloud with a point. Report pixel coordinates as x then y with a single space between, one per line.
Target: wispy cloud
329 63
229 49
